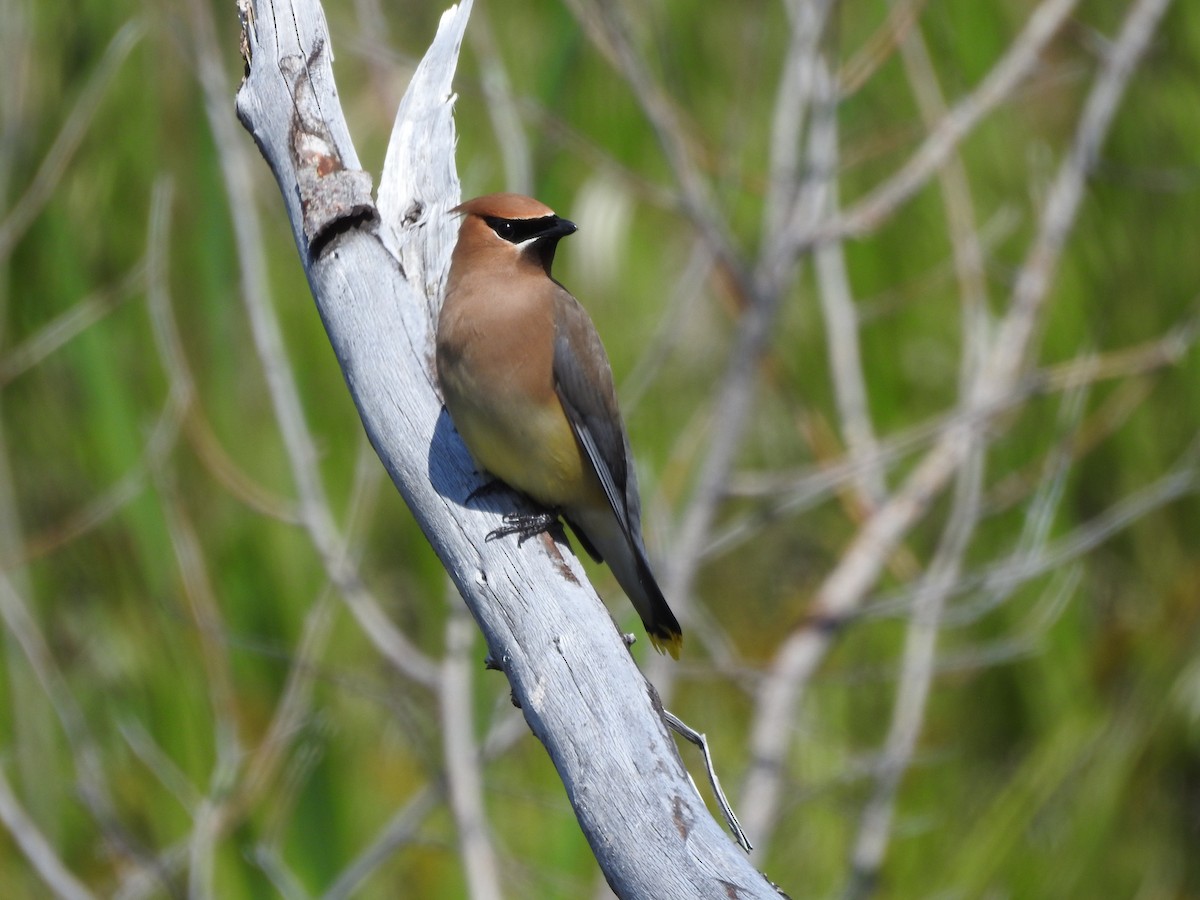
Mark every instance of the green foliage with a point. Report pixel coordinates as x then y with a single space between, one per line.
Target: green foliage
1060 754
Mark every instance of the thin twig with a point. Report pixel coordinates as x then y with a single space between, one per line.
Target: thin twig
36 848
85 753
917 671
189 557
286 883
506 731
609 30
734 402
671 327
218 462
1012 571
63 328
793 100
697 738
791 493
837 305
70 136
188 551
956 199
461 757
164 435
1062 203
502 108
399 830
156 760
878 48
868 213
1036 556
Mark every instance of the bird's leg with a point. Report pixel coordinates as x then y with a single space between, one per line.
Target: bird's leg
524 525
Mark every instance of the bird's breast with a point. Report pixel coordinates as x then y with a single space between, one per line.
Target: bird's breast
498 385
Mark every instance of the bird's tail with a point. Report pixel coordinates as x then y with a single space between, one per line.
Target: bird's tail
661 625
626 556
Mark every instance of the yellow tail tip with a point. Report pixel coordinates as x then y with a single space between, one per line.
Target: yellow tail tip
669 643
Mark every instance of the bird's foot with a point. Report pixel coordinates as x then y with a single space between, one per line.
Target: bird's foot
524 525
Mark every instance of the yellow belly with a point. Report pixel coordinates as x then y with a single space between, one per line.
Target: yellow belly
527 446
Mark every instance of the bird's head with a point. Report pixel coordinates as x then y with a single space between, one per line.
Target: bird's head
512 226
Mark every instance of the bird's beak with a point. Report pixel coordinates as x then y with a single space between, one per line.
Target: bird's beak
561 228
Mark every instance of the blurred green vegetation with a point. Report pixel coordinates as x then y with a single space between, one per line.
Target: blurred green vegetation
1061 750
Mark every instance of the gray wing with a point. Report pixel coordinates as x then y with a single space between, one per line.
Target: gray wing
584 383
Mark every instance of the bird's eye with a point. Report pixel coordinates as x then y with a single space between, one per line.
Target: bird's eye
518 231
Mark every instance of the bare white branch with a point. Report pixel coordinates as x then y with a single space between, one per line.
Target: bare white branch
237 168
376 276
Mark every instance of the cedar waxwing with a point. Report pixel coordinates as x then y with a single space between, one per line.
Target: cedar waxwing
529 388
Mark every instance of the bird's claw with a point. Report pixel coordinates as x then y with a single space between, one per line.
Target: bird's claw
524 525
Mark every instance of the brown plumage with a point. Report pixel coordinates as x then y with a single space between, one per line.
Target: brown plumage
529 387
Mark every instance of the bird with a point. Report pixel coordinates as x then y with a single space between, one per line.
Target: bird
530 390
